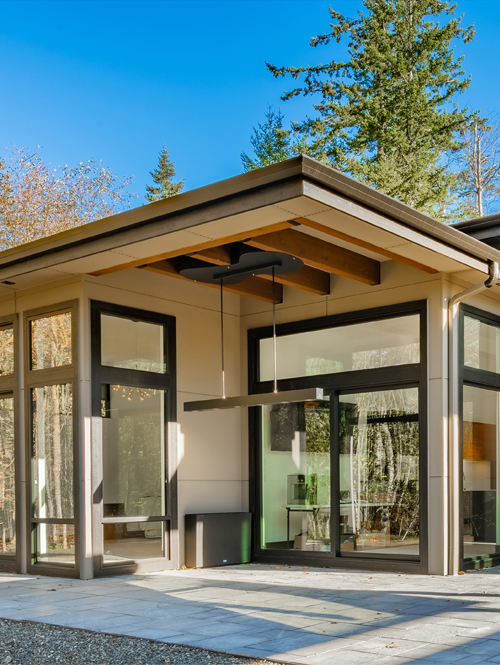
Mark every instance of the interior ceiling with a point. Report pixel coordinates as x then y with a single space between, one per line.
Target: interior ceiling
328 241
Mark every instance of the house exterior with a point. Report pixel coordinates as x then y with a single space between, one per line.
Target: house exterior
395 317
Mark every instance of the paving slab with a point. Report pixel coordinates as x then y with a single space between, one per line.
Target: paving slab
306 616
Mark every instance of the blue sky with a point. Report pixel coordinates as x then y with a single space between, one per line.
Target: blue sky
115 80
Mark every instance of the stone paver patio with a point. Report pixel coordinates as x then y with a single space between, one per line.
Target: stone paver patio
289 614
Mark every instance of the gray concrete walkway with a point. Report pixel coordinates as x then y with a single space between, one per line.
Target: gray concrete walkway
293 615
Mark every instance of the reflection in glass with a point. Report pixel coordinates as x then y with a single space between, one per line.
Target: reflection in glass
480 472
360 346
7 478
55 543
133 451
296 476
52 451
6 351
481 345
133 540
132 344
51 341
378 466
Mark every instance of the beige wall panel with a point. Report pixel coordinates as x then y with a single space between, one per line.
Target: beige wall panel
205 497
157 290
245 489
284 315
7 305
438 527
438 429
49 296
210 447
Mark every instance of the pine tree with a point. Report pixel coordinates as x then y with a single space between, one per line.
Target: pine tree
270 141
163 177
387 115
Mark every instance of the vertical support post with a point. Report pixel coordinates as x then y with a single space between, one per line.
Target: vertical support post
454 439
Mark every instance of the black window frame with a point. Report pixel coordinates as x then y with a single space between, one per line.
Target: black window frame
102 375
476 378
353 381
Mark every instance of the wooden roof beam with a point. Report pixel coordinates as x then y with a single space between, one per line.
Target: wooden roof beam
252 287
366 245
322 255
307 278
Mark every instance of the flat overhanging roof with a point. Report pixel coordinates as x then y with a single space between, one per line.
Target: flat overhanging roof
309 197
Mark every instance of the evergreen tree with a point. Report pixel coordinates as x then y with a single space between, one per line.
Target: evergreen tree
163 177
387 114
270 141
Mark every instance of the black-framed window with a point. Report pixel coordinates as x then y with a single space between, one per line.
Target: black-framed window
346 478
480 440
133 393
51 379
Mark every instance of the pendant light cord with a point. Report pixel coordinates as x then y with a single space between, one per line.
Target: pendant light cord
222 338
274 338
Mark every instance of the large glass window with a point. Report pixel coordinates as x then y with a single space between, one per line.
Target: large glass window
7 478
379 472
360 346
131 344
481 526
6 350
481 345
296 476
52 452
133 452
51 344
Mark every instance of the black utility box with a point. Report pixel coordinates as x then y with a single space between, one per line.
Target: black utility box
218 539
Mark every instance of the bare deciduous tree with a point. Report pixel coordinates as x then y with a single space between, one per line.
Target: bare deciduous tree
37 200
479 167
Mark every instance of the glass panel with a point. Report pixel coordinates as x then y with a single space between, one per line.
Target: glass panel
378 466
51 341
52 451
7 478
133 540
132 344
133 451
331 350
55 543
296 476
480 472
481 345
6 351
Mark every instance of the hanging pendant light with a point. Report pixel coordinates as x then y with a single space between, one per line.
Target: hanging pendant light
249 263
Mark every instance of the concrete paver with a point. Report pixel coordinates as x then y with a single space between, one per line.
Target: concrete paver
295 615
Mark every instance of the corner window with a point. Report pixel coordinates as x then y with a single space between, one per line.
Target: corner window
131 344
51 343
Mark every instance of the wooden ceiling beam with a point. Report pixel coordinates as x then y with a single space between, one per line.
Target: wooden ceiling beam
307 278
366 245
237 237
322 255
252 287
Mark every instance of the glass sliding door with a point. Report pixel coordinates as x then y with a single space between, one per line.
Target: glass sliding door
481 524
379 472
296 476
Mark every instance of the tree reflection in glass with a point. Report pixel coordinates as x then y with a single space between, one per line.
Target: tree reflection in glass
379 471
7 477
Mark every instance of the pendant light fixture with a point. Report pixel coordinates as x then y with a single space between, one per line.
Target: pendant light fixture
249 263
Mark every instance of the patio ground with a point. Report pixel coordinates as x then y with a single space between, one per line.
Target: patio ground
289 614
